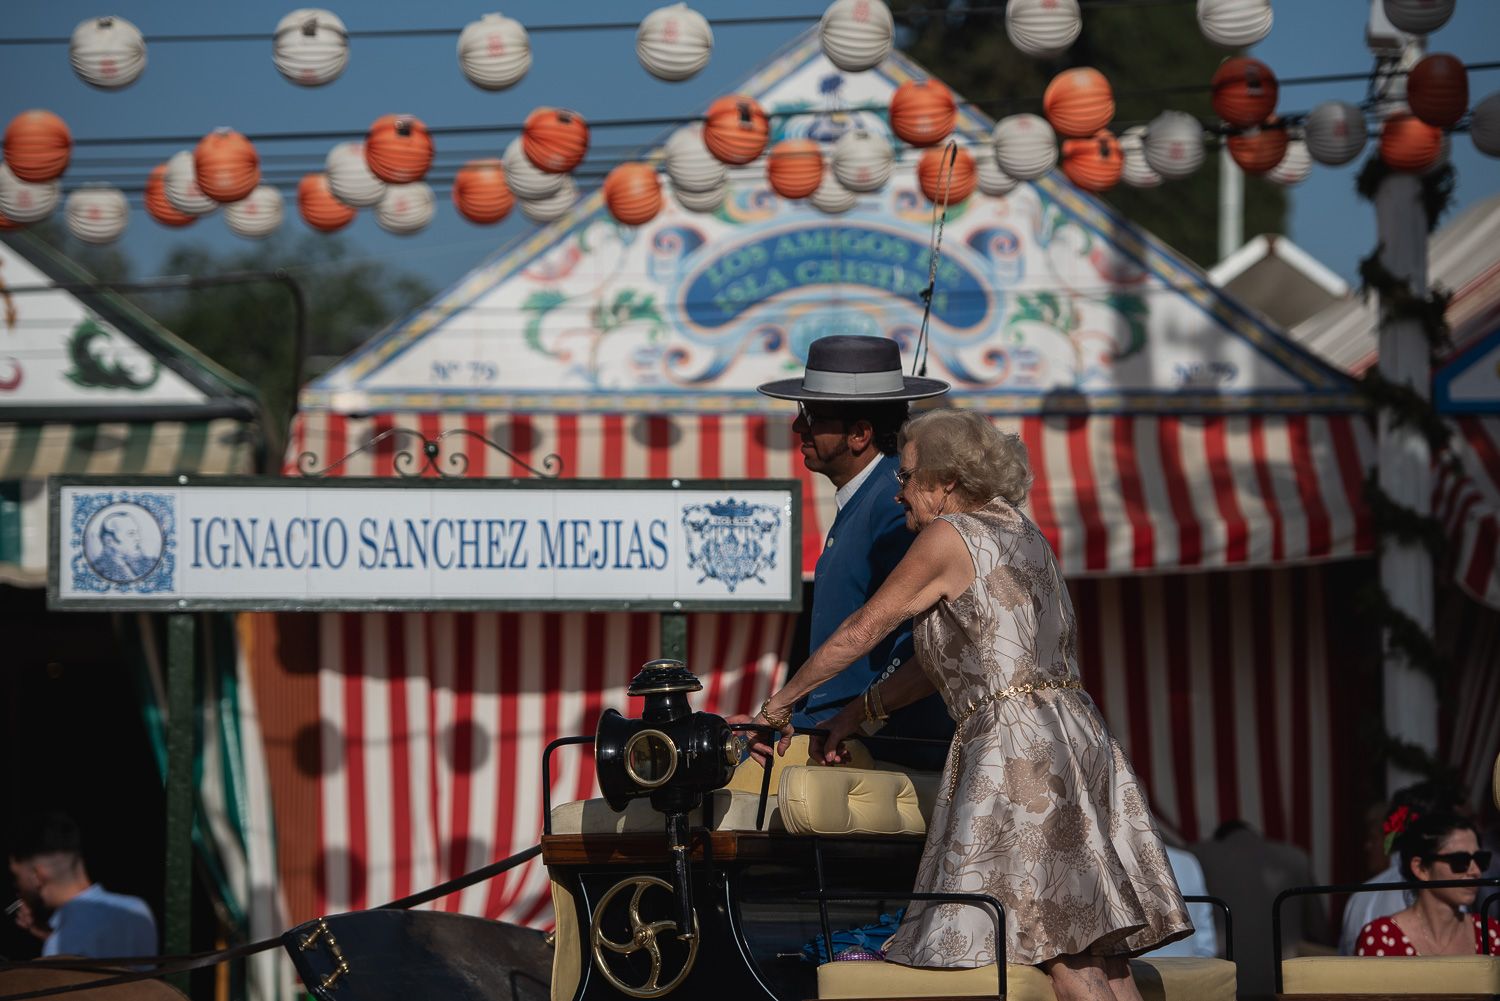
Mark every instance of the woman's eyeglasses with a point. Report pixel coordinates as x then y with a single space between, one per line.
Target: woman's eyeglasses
1459 861
903 476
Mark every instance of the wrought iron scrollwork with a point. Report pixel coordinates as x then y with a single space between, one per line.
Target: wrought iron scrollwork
416 460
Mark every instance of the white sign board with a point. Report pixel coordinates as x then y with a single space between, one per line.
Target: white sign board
363 545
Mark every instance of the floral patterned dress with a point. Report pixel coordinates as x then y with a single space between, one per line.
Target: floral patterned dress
1040 809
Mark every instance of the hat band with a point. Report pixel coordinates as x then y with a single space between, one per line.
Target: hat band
853 383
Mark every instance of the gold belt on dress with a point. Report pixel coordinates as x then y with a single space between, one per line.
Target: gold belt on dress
984 700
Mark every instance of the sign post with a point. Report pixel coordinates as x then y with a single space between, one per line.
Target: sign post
180 751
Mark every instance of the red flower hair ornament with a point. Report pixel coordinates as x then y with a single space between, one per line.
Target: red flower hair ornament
1396 824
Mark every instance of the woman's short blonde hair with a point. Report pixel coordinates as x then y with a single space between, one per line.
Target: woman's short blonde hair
965 448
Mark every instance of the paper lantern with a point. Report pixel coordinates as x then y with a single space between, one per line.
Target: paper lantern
406 208
1174 144
180 185
1079 102
1025 146
350 178
632 193
1095 163
555 205
862 160
107 52
942 184
857 34
157 205
9 226
528 181
1437 90
689 163
1407 143
794 168
1234 24
1259 149
480 192
673 43
923 112
1042 29
226 166
555 139
736 129
992 180
1335 132
1484 125
494 52
318 206
1294 167
1418 17
24 202
832 197
398 149
1244 91
701 201
1136 169
310 47
97 213
257 215
37 146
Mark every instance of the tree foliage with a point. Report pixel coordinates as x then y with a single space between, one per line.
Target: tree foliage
1138 47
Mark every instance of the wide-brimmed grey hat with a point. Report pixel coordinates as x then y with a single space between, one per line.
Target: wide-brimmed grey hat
852 368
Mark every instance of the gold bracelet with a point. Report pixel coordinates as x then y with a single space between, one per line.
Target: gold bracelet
879 700
778 720
869 713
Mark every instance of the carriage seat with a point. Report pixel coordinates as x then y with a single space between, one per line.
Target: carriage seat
1392 975
1173 979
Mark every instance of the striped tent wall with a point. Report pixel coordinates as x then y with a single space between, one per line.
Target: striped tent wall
1466 498
1469 634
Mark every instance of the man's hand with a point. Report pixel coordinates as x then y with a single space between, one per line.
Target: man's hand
831 748
26 921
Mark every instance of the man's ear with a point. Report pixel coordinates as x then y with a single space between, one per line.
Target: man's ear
861 435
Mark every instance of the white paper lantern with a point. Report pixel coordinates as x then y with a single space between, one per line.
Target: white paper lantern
857 34
107 52
528 181
1418 17
1484 125
1174 144
97 213
1335 132
350 178
25 202
701 201
1137 171
1295 165
1234 24
311 46
673 43
832 197
257 215
553 207
992 180
180 185
1025 146
494 52
1043 28
862 160
689 163
406 208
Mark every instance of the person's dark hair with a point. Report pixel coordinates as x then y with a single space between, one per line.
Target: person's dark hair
885 421
1229 827
45 834
1422 837
1427 797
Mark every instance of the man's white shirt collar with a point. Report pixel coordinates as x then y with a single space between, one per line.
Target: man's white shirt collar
848 490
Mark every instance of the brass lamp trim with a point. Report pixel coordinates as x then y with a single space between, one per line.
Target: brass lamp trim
637 738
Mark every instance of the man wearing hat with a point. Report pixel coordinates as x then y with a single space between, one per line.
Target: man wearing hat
851 402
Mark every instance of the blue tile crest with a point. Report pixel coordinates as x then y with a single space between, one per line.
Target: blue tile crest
123 542
731 541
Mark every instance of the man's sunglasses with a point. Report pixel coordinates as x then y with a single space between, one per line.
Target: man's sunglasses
1459 861
810 416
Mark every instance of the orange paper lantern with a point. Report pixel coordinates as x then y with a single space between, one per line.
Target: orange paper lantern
480 192
398 149
923 112
555 139
319 208
226 166
1244 91
1079 102
37 146
1437 90
1095 163
934 177
795 167
633 193
1260 149
7 226
1410 144
735 129
157 205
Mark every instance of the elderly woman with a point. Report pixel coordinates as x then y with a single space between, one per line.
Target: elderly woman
1039 808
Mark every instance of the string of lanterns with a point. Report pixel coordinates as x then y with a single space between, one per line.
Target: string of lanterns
386 171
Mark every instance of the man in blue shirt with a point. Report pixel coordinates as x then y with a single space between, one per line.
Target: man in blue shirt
83 919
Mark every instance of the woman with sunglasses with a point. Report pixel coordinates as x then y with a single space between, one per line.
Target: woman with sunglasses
1437 846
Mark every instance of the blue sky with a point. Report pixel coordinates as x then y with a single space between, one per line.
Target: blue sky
188 89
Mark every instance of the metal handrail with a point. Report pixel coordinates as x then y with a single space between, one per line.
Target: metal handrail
1223 905
547 774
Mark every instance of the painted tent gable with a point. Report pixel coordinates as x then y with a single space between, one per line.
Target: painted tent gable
1044 298
1470 382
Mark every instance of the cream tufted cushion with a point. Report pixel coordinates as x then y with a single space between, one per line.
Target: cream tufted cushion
1392 975
849 801
748 776
1188 979
726 810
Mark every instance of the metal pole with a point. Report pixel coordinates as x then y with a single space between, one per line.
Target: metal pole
1231 204
179 781
674 636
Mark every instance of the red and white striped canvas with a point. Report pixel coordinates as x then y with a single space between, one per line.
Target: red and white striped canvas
1470 636
1467 500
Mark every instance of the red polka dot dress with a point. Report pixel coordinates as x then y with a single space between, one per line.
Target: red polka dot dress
1383 937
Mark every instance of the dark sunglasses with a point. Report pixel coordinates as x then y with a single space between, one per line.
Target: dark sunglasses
1459 861
810 416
